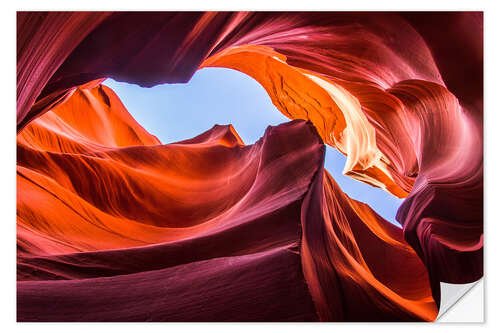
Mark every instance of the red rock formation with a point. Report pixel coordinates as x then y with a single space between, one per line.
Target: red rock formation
101 210
397 93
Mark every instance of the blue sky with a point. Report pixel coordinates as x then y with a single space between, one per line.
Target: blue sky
175 112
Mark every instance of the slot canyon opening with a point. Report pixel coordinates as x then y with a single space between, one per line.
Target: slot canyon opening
175 112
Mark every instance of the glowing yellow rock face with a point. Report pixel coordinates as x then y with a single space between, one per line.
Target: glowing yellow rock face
334 111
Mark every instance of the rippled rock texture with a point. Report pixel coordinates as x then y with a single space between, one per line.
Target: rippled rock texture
115 226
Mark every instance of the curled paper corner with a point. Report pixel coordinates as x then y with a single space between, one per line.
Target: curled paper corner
462 303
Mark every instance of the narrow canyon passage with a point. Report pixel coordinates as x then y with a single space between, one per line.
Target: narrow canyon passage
224 96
